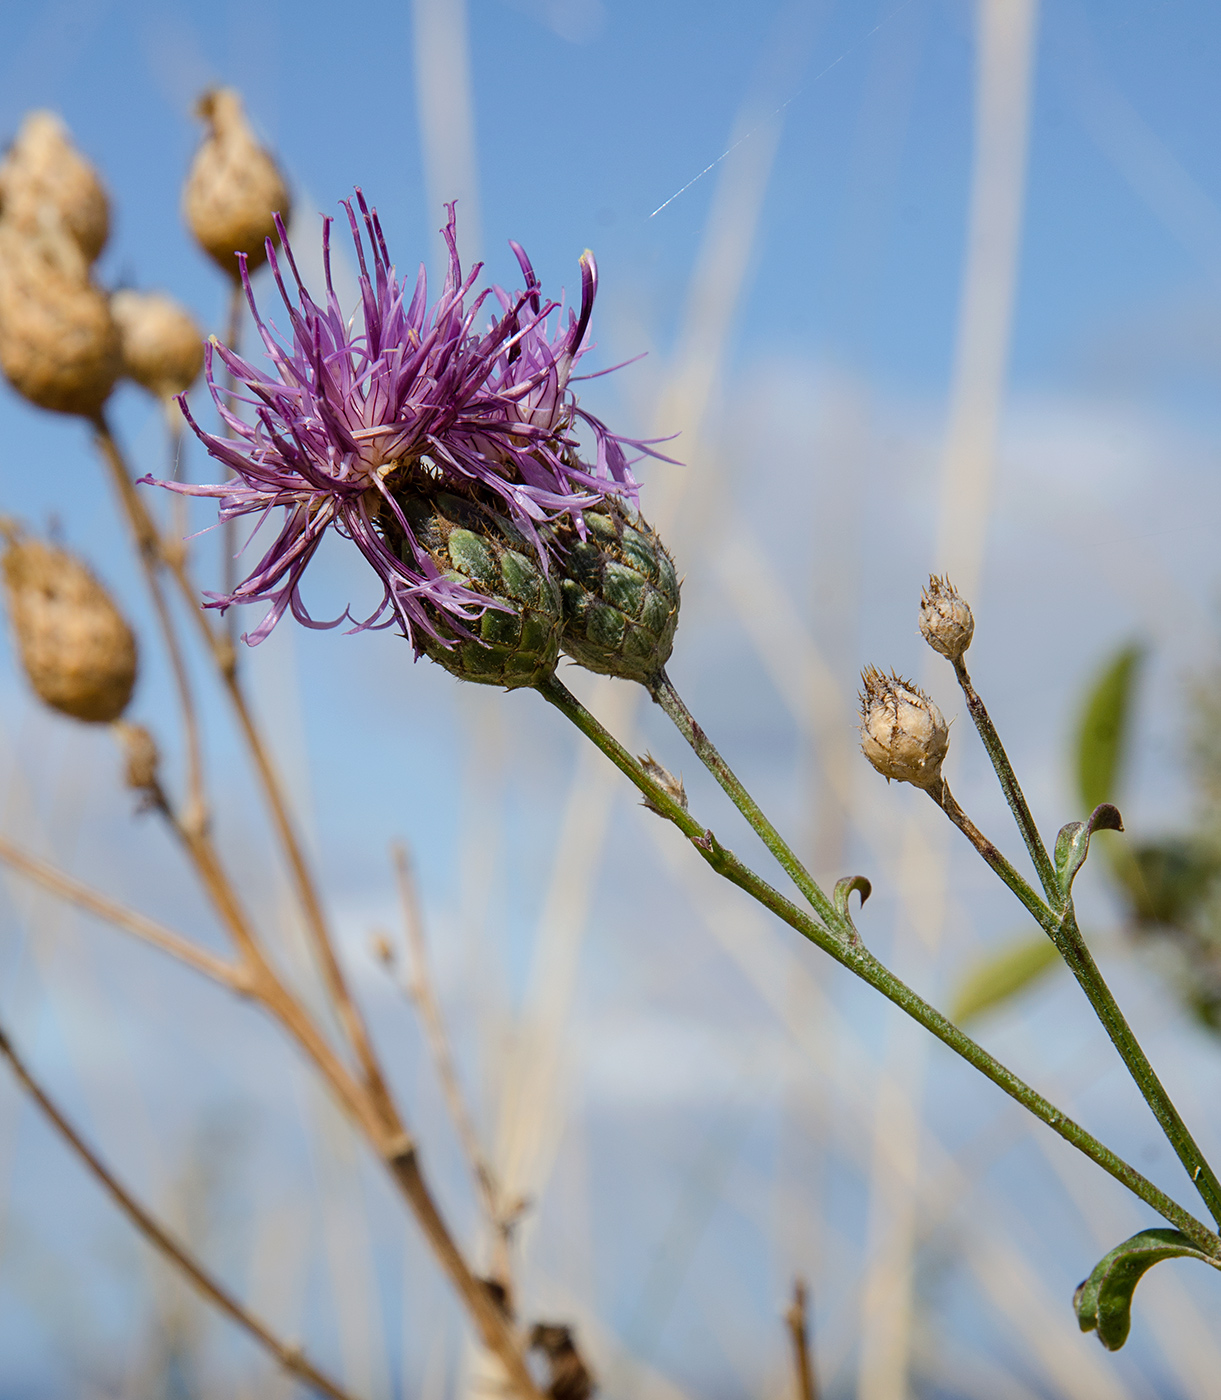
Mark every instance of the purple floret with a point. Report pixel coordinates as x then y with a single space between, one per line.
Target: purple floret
406 398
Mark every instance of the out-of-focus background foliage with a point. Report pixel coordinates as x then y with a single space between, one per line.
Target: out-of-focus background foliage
952 299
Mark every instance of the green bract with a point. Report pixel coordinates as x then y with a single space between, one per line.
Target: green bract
621 595
516 642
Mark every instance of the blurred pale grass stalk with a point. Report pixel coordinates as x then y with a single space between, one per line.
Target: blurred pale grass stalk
828 1038
684 399
1005 58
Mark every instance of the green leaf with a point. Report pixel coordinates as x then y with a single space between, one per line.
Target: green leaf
1104 1301
1167 880
1073 842
1102 737
844 887
998 978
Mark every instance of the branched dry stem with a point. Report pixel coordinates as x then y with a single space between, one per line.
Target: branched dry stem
290 1357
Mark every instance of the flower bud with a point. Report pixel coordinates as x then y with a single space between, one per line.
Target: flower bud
903 734
233 188
516 641
44 174
59 346
162 346
77 650
621 595
946 623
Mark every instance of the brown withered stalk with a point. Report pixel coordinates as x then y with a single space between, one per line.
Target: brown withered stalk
797 1320
364 1095
418 987
290 1357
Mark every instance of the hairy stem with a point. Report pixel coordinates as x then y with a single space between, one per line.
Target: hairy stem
664 693
944 799
290 1357
1014 795
863 964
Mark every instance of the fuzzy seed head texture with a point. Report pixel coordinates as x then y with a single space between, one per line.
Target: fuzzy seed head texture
903 734
405 400
76 648
59 345
946 622
234 189
44 176
162 345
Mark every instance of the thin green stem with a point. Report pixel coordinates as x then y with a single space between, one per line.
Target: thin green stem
944 799
1060 925
1067 938
860 961
1010 786
664 693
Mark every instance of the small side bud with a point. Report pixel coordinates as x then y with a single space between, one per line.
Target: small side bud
44 175
161 344
621 595
946 623
234 187
669 784
903 734
382 948
77 650
143 770
59 346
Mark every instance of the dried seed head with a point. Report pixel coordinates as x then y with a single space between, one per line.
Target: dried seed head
669 784
143 759
162 345
946 623
59 346
43 174
233 188
78 652
903 734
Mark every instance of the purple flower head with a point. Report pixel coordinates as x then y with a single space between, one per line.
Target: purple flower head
404 398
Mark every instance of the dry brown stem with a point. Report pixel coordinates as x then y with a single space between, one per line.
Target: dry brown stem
111 912
290 1357
799 1332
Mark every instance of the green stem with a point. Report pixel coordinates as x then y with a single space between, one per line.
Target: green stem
1067 937
662 690
1010 786
1060 925
860 961
944 799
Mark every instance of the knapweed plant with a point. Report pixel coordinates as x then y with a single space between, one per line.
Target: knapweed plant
444 439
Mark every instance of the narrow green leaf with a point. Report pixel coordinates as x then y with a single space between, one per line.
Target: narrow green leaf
1104 1301
1000 977
1102 737
844 887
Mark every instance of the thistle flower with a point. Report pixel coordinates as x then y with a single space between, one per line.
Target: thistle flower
903 734
946 622
405 401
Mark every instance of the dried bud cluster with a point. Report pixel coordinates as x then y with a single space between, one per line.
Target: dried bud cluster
946 623
233 188
77 650
903 734
44 179
59 346
162 346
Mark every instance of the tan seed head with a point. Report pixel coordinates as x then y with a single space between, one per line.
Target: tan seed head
59 346
43 174
903 734
77 650
162 346
234 186
946 622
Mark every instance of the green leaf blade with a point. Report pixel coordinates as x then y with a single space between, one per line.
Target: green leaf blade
1105 726
1104 1300
1000 977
